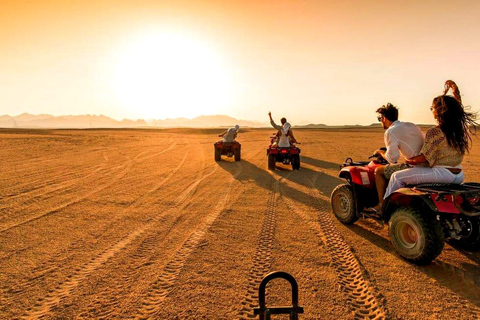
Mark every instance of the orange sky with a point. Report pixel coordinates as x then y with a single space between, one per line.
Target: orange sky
330 62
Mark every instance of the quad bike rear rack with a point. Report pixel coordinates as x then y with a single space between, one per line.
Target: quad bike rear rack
265 312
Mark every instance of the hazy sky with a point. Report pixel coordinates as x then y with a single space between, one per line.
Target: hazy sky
330 62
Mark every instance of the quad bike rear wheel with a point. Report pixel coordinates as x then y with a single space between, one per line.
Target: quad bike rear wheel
237 154
296 162
343 204
271 162
417 237
218 154
471 241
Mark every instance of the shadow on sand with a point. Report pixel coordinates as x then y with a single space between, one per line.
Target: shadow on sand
262 178
446 274
309 178
320 163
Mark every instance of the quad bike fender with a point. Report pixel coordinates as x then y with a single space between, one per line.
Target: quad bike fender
271 150
283 151
359 176
222 145
294 150
408 197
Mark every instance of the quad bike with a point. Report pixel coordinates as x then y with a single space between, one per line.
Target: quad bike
229 149
288 155
420 218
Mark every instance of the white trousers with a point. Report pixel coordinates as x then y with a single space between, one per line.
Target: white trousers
421 175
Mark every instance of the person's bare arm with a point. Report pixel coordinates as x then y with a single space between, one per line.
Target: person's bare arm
380 152
417 160
290 134
273 122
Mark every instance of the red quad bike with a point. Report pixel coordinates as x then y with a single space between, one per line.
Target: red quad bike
229 149
290 155
420 218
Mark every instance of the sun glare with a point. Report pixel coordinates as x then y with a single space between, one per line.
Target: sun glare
171 75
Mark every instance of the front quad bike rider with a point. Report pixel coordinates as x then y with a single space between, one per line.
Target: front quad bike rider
403 138
420 217
228 145
230 135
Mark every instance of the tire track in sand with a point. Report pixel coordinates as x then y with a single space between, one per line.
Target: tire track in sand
126 167
49 268
262 260
56 295
362 297
461 284
20 202
107 305
163 284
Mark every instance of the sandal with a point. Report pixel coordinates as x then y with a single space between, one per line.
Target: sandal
371 210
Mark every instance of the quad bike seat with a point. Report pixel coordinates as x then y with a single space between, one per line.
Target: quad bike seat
349 162
446 187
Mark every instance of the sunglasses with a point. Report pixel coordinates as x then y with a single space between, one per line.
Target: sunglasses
431 108
379 118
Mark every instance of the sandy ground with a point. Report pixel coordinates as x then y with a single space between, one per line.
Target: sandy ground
143 224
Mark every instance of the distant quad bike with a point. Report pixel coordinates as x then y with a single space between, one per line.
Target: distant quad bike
229 149
420 218
289 155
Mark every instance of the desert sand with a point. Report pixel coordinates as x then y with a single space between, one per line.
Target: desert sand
144 224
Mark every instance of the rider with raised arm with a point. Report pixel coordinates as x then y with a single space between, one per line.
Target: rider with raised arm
284 134
440 159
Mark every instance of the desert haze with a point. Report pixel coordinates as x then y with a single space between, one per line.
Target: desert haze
45 121
138 224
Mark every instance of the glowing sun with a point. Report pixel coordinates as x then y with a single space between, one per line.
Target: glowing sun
171 75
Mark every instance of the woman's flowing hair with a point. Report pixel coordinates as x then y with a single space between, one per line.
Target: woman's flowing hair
457 124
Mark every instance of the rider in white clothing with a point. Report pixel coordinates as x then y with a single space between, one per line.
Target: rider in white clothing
284 130
230 134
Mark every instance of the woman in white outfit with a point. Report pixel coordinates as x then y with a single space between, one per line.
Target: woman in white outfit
444 147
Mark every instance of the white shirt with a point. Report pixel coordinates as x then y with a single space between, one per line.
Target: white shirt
283 141
230 136
405 138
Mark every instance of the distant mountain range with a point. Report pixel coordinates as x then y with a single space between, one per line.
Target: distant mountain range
206 122
27 120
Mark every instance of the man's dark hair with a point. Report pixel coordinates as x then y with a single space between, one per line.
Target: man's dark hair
389 111
283 120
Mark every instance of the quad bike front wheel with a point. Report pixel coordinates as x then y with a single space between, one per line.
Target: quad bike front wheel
417 237
343 204
237 154
271 162
218 154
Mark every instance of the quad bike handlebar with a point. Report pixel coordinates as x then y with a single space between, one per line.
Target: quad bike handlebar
379 157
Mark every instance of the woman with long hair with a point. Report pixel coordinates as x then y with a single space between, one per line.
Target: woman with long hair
444 147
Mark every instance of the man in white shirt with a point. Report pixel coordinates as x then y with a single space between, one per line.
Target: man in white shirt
230 134
403 138
284 134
